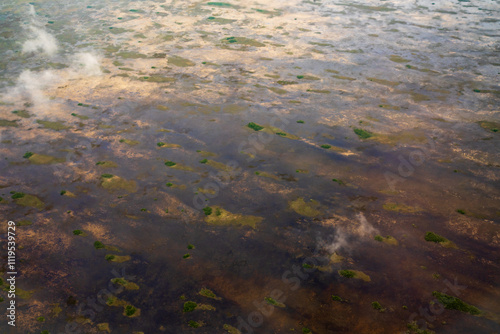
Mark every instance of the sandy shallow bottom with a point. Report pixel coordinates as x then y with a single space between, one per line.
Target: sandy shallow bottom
264 167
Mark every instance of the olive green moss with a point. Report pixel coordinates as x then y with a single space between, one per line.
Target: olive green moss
454 303
274 302
189 306
363 134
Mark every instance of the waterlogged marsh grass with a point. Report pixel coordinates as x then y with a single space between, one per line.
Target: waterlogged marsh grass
221 217
308 208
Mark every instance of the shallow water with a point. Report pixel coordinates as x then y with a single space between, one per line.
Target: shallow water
403 97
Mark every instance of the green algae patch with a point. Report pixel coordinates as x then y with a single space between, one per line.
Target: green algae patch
22 113
82 117
377 306
57 126
104 327
113 182
189 306
384 82
242 41
42 159
277 90
268 175
398 207
179 166
255 126
162 107
417 97
279 132
220 20
24 294
387 240
285 82
307 77
404 137
319 91
308 209
205 307
116 31
206 191
157 79
219 4
362 134
131 311
341 77
126 284
24 222
100 245
106 164
7 123
167 145
209 294
274 302
117 258
454 303
129 142
491 126
389 107
80 233
131 55
230 329
340 182
29 201
398 59
336 258
206 154
115 301
220 217
433 237
195 324
267 12
180 62
355 274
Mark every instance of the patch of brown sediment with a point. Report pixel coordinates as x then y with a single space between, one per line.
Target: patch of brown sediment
476 229
99 232
26 316
240 187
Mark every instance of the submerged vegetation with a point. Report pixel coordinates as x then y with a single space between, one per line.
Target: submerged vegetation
189 306
377 306
308 209
170 163
255 126
347 273
274 302
354 274
225 218
433 237
388 240
363 134
454 303
209 294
